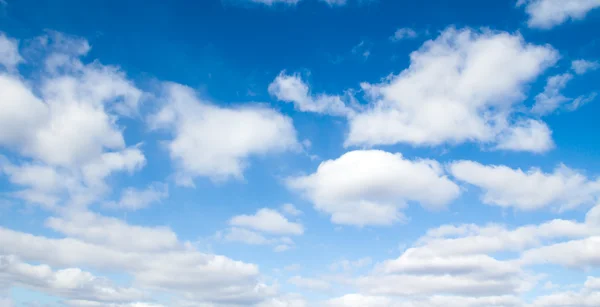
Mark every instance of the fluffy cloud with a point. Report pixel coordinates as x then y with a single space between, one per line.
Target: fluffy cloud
269 221
545 14
71 283
534 189
368 187
65 121
526 135
265 227
291 88
455 265
403 33
582 66
151 256
460 87
206 143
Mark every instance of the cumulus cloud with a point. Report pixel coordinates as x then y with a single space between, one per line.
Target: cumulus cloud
151 256
65 121
545 14
580 67
291 88
71 282
528 190
265 227
526 135
216 142
587 296
368 187
459 87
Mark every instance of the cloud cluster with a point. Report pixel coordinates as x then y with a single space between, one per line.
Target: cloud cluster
463 86
545 14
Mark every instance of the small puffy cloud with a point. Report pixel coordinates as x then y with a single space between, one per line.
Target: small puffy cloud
72 283
528 190
545 14
580 67
368 187
206 144
310 283
269 221
460 87
135 199
291 88
403 33
526 135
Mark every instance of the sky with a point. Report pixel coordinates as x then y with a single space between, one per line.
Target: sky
294 153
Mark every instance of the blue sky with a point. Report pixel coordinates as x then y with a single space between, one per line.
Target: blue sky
299 153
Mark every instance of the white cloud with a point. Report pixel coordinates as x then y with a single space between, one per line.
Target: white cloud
368 187
291 88
587 255
135 199
310 283
66 121
9 52
582 66
71 123
71 283
154 259
206 144
269 221
588 296
526 135
530 190
403 33
551 98
545 14
460 87
113 232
